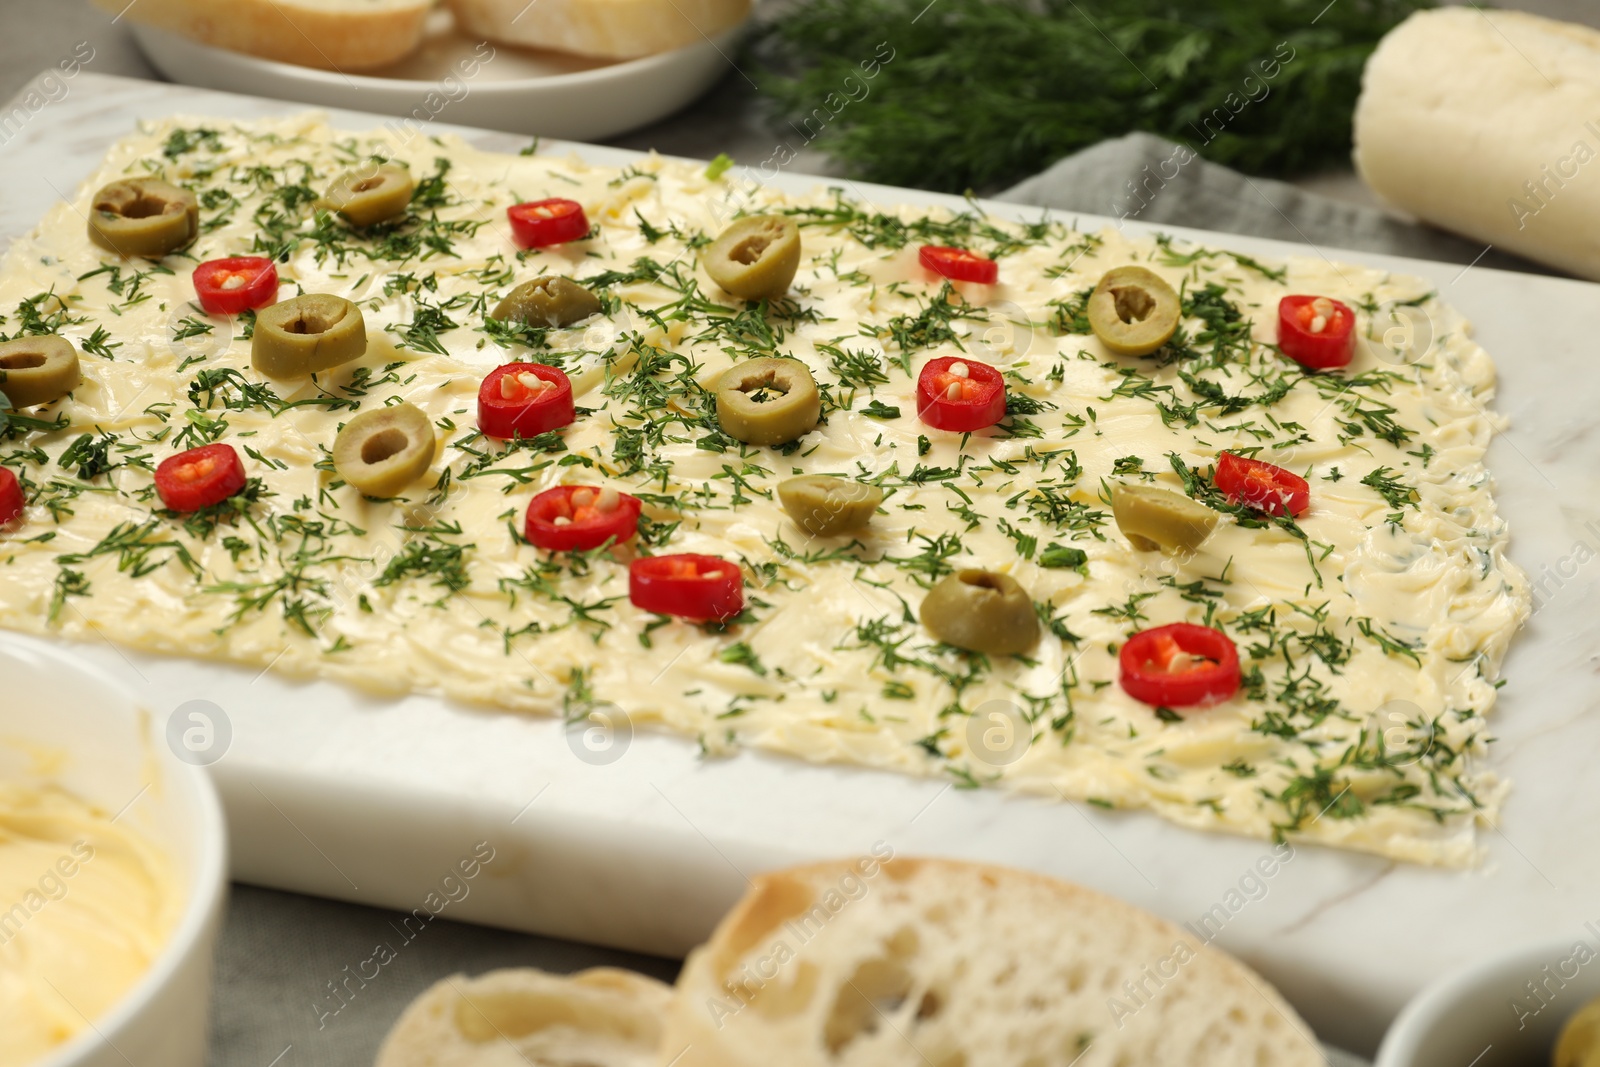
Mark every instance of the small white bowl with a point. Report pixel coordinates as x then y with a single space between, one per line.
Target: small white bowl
1472 1018
115 751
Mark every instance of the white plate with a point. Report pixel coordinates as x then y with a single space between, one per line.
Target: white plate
456 79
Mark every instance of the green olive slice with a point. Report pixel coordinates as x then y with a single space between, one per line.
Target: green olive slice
143 217
38 370
549 301
768 401
307 334
1152 518
981 611
1133 311
826 506
370 195
381 452
755 258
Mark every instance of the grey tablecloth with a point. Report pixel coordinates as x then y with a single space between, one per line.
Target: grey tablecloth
1144 178
281 952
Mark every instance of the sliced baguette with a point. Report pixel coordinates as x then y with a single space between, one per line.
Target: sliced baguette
523 1017
343 35
606 29
929 963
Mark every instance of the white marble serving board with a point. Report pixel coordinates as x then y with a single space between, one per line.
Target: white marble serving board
331 793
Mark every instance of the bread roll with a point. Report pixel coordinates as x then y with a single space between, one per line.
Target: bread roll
606 29
912 963
1488 123
342 35
527 1018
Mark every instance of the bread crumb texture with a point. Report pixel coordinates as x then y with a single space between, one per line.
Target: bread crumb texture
916 962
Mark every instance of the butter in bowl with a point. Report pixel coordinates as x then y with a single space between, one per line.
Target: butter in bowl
1537 1006
112 868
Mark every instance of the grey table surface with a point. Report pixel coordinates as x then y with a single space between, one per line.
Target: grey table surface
282 954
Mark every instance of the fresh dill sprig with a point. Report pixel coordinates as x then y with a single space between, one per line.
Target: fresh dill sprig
977 94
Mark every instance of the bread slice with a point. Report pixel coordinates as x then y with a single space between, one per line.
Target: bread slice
342 35
930 963
527 1018
606 29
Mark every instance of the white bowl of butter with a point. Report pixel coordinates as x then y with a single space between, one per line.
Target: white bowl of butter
112 874
1506 1011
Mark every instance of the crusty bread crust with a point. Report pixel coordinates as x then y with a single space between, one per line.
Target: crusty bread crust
344 36
519 1017
606 29
913 962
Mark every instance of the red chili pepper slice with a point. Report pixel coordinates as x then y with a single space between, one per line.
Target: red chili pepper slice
524 400
948 399
958 264
577 518
1316 331
1180 665
229 286
687 585
1262 486
199 477
12 503
542 223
